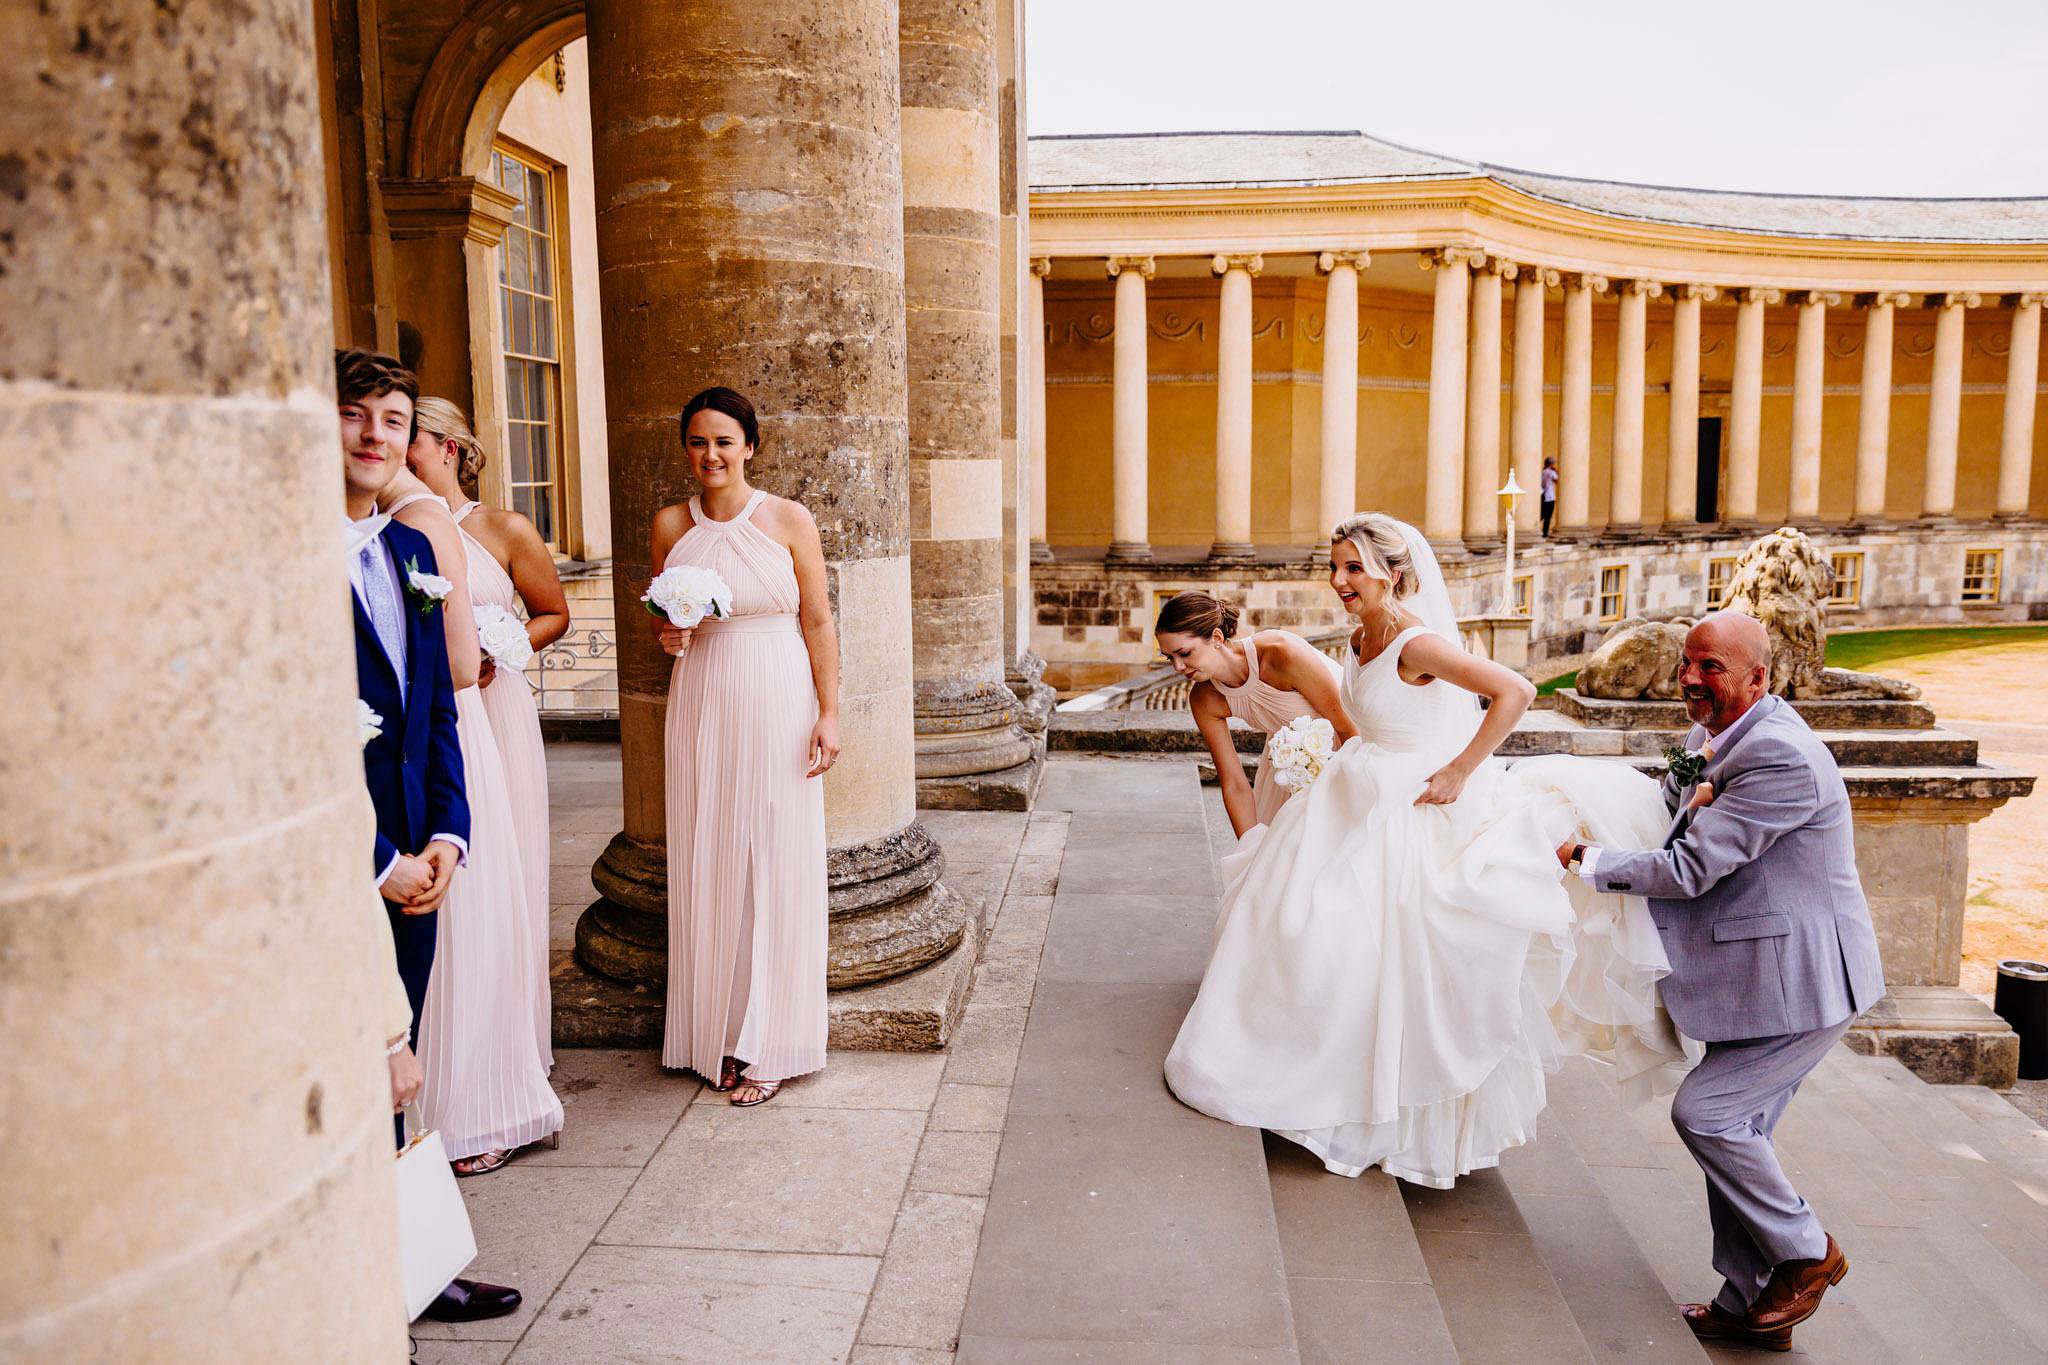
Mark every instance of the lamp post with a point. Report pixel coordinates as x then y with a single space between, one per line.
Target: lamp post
1509 491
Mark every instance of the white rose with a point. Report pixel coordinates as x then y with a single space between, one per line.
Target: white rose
369 724
431 586
503 636
687 593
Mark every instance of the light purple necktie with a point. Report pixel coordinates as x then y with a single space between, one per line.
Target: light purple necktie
385 613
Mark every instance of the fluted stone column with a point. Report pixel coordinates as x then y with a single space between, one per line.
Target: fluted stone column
1444 472
1482 404
1575 411
1233 542
2022 377
1809 373
1625 488
1129 422
1874 405
1041 548
193 971
1337 492
748 178
1746 404
1525 406
1945 405
1682 439
970 752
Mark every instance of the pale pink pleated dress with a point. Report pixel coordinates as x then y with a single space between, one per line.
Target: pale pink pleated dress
515 723
485 1087
746 828
1265 707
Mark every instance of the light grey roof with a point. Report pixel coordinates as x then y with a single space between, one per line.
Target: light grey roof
1258 160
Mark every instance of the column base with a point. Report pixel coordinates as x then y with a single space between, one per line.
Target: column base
1041 553
1488 544
971 752
1574 535
1128 552
1943 1034
1232 552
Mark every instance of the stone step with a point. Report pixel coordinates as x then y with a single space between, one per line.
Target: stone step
1824 714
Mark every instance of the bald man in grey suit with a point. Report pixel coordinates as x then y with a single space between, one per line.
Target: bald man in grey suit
1756 897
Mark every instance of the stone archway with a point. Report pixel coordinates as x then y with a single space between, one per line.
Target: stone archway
472 78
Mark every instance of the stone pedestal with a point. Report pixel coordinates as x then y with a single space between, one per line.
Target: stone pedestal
195 968
748 175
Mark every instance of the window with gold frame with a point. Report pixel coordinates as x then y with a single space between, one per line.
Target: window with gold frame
1848 589
1720 573
1524 600
529 275
1981 566
1613 591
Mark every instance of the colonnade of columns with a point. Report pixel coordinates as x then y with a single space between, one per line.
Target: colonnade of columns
1463 443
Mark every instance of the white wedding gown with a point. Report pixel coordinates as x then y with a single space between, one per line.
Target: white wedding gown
1390 982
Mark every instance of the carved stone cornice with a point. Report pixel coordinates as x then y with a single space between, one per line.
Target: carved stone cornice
1962 298
1693 289
1041 266
1757 294
1330 260
1223 262
460 206
1440 257
1145 266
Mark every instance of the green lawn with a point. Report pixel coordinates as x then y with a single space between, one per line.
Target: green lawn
1862 650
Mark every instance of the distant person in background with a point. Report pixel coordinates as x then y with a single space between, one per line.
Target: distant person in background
1549 490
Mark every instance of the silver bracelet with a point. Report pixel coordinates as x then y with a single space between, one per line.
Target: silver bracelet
398 1046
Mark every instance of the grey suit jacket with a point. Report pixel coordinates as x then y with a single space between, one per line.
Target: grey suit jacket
1756 895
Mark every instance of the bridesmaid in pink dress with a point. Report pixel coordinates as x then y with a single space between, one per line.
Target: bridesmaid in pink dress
753 725
509 566
1266 680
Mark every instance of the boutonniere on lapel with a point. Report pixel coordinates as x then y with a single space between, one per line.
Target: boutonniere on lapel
426 589
1686 764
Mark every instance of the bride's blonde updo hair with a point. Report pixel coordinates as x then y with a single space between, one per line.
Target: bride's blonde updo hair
439 417
1382 546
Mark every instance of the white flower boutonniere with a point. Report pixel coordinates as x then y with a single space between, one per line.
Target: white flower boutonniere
369 724
426 588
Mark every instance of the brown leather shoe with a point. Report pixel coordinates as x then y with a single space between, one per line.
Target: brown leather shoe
1793 1295
1711 1322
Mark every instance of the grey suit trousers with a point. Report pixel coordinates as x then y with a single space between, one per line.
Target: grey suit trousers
1725 1113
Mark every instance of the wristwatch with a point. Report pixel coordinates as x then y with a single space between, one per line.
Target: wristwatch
1578 857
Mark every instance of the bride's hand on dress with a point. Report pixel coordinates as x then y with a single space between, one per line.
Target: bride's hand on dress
824 745
675 640
1443 786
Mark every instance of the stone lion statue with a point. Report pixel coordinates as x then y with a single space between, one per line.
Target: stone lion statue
1783 581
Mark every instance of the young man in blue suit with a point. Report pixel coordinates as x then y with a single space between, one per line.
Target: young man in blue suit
414 764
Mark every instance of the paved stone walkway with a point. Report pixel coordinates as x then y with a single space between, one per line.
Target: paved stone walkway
1036 1194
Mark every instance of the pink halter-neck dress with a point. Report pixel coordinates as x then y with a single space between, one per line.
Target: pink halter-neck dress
1265 707
746 828
515 724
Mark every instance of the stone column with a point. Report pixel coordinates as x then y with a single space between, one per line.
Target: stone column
1482 405
1338 491
748 178
1041 548
1525 407
1809 374
1233 542
1575 413
970 752
199 1164
1625 487
1945 405
1682 440
1129 435
2022 376
1874 405
1746 404
1444 491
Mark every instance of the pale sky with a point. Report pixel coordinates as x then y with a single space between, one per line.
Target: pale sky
1885 97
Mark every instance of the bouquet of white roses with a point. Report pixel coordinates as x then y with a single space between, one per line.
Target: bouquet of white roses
1299 749
686 594
503 636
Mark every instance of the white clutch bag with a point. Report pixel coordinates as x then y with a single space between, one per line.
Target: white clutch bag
434 1237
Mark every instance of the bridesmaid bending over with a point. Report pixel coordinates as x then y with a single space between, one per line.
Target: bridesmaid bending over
509 565
753 725
1265 680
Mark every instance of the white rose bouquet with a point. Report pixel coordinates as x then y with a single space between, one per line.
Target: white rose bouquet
687 593
369 724
1299 749
503 636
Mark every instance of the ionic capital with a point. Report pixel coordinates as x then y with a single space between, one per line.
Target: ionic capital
1444 257
1758 294
1542 276
1891 298
1497 265
2033 299
1963 298
1224 262
1647 288
1597 284
1041 266
1823 298
1145 266
1693 289
1330 260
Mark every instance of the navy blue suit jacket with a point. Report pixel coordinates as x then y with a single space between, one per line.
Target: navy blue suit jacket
414 767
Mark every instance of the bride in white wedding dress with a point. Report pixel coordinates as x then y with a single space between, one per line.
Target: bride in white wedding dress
1399 959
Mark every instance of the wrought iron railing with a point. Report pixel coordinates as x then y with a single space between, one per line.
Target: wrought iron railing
579 673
